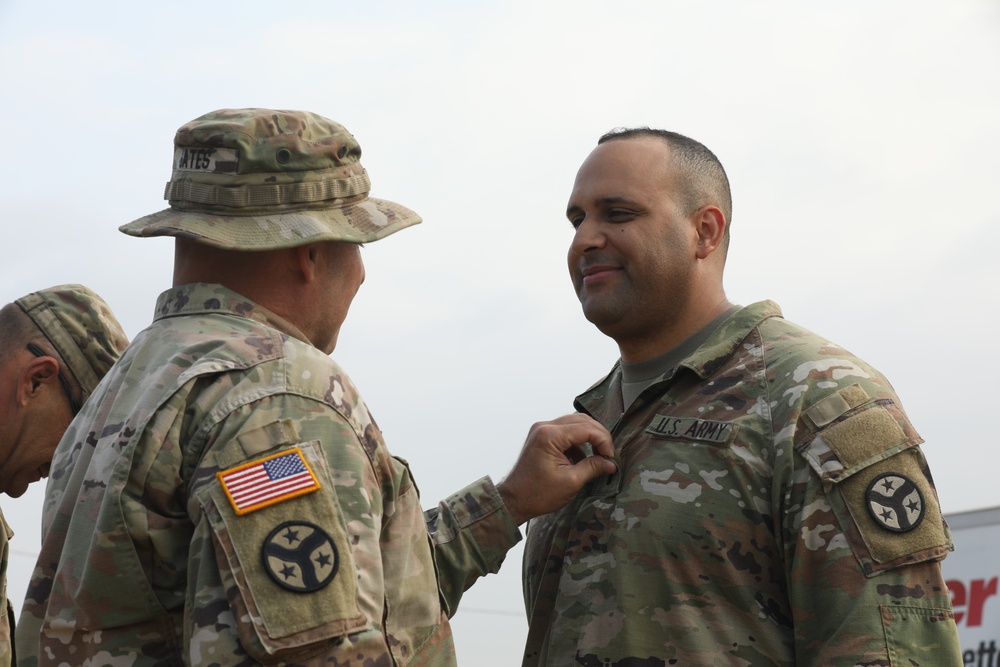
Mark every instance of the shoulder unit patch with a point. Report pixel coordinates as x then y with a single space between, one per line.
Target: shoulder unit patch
300 557
895 502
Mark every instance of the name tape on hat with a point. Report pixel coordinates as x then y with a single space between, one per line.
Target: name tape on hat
214 160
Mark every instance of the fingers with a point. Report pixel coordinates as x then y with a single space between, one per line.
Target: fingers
592 467
572 431
605 465
554 466
575 454
602 443
579 429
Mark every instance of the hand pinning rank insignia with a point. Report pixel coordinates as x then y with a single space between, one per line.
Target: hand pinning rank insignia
267 481
895 502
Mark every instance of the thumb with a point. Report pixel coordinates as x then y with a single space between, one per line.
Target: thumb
595 466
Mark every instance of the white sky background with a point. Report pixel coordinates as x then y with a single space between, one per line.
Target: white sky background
861 138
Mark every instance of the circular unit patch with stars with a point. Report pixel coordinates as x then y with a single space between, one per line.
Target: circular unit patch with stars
895 502
300 556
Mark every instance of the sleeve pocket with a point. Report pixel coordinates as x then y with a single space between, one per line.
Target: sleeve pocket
919 635
288 573
877 483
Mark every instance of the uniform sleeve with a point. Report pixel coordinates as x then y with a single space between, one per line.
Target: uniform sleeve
340 567
272 565
865 537
472 532
6 608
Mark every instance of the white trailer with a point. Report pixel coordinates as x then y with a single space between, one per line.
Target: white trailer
972 572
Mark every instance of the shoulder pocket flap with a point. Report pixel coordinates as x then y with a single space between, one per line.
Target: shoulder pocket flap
881 492
292 567
889 512
847 446
246 445
836 404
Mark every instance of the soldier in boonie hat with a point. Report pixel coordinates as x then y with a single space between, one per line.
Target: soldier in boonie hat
302 538
262 179
55 346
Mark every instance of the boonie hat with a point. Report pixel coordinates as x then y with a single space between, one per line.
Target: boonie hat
81 327
263 179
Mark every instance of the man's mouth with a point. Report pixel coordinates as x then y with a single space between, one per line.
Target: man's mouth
596 272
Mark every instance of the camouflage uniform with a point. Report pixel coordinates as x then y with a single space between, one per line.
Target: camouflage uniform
772 508
152 557
6 606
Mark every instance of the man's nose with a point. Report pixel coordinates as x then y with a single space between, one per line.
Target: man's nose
588 236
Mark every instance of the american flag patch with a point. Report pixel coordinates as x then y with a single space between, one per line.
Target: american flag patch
268 481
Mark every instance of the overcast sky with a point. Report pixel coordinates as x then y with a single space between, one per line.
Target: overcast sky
861 139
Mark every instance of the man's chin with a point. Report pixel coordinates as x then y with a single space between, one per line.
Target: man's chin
16 490
599 311
605 320
17 487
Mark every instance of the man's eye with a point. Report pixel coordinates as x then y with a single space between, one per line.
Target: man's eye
576 221
617 215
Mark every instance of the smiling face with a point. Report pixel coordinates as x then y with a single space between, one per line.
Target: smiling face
633 256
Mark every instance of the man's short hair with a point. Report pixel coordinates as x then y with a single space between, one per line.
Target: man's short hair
702 177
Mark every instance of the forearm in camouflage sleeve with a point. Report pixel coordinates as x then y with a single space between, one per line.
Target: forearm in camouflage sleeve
472 533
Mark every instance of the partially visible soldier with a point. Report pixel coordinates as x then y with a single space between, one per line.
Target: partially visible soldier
226 497
55 346
773 506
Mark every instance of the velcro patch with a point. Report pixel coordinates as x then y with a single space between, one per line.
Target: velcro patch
836 405
212 160
867 433
899 484
702 430
268 481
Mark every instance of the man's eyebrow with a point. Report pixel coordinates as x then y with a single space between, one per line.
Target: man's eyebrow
604 201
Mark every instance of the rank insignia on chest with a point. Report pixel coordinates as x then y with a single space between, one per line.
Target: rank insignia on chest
267 481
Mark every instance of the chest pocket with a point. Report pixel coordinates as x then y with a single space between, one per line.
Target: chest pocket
866 453
287 556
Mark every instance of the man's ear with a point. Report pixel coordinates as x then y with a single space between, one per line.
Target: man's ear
39 373
710 225
306 259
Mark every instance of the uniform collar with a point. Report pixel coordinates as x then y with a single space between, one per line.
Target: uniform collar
603 400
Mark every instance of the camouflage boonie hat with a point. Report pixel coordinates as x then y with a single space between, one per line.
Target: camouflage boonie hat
262 179
82 329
